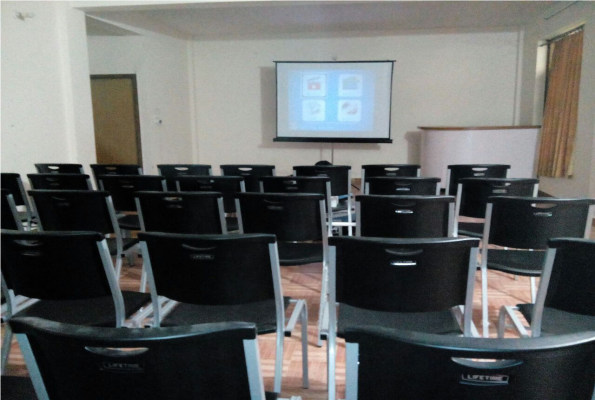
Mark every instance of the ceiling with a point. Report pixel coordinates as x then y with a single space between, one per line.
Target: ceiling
247 19
96 27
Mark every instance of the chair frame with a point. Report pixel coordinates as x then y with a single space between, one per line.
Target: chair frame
29 210
251 353
463 314
451 217
460 196
484 265
349 224
14 211
117 233
143 278
323 319
13 307
162 306
479 166
329 207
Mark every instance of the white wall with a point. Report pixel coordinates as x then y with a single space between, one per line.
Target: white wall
440 78
46 101
531 102
161 67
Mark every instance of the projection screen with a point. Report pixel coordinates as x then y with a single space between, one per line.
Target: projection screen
340 101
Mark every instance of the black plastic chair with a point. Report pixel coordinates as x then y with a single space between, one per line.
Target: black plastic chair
388 364
62 181
123 190
218 278
460 171
72 275
565 301
171 171
340 177
526 224
300 184
405 216
299 223
82 210
208 362
228 186
392 170
13 183
421 285
473 194
58 168
10 216
402 186
114 169
250 172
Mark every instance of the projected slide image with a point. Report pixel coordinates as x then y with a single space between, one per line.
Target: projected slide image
313 110
350 85
349 111
314 85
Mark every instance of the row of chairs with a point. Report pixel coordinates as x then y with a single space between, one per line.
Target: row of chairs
433 277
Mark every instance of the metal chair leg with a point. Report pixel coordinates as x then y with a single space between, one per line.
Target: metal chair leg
304 323
484 302
331 365
533 291
323 303
279 359
6 344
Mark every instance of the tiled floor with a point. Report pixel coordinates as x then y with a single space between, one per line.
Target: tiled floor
304 283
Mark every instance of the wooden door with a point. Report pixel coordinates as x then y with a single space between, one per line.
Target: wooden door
115 116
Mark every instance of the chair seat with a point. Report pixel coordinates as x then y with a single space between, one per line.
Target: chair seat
262 313
98 311
232 224
126 242
17 388
438 322
557 322
299 253
517 262
471 229
129 222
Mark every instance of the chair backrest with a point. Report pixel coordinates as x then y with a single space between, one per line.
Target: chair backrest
529 222
74 210
228 186
403 275
251 174
57 265
209 269
392 170
122 188
295 184
340 176
472 197
456 172
209 361
59 168
61 181
389 364
10 215
291 217
405 216
568 282
175 212
114 169
171 171
13 183
402 186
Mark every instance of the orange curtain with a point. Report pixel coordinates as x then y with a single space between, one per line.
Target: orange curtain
561 107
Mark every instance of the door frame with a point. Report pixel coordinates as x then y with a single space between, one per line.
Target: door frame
132 77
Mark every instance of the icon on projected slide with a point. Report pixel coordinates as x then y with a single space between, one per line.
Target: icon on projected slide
350 85
313 110
314 85
350 110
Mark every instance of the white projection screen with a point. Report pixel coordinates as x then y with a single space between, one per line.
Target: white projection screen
339 101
